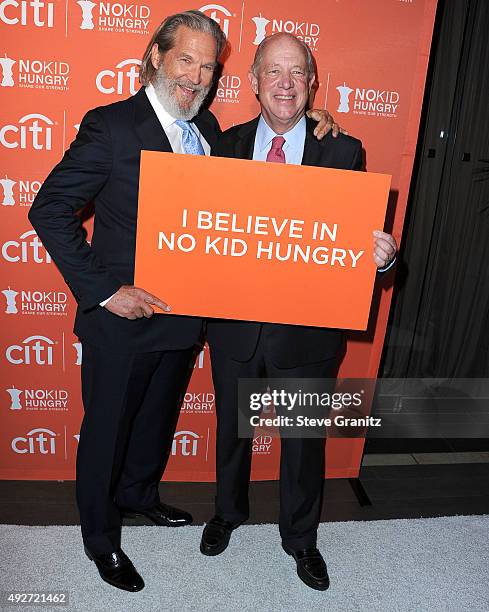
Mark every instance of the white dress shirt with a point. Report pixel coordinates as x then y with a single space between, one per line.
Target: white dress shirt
293 146
173 132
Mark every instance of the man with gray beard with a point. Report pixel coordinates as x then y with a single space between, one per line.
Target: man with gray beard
136 363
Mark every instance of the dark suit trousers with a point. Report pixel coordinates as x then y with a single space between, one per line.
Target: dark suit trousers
302 460
131 406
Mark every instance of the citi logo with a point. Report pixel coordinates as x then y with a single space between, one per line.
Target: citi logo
185 444
123 80
35 74
219 14
35 302
37 441
115 17
371 102
27 249
27 12
34 350
32 131
308 32
38 399
228 89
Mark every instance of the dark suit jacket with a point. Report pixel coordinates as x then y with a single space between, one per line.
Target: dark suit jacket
289 345
102 165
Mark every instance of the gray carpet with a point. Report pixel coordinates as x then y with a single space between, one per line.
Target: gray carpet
437 564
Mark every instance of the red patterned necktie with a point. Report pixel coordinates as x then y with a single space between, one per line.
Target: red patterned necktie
276 153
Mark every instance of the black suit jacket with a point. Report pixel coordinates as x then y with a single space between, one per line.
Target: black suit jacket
102 165
289 345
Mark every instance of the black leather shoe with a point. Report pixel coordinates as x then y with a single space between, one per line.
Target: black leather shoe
162 514
215 537
311 567
116 569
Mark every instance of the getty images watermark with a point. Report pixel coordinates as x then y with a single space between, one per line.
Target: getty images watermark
305 407
309 408
359 408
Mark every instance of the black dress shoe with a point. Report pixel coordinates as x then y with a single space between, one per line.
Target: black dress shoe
162 514
311 567
116 569
215 537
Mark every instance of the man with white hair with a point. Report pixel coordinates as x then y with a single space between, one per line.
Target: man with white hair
136 364
282 76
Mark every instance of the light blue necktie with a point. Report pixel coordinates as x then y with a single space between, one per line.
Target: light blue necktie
191 144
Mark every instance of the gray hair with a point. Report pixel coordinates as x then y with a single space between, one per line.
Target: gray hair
164 37
310 62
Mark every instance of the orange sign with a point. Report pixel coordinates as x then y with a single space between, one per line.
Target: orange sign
241 239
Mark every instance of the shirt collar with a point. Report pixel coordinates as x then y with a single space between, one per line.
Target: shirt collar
164 117
294 137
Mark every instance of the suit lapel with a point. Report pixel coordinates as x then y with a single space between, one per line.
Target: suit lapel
148 128
207 130
245 143
312 148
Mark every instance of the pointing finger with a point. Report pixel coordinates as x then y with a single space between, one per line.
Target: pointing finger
153 299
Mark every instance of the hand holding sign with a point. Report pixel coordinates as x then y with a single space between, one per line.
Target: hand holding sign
385 248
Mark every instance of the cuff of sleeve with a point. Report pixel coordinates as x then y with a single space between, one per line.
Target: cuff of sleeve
99 296
387 267
105 301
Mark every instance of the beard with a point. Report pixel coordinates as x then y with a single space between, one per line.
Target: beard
165 89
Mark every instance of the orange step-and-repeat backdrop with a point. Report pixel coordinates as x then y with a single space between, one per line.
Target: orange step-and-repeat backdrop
60 58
